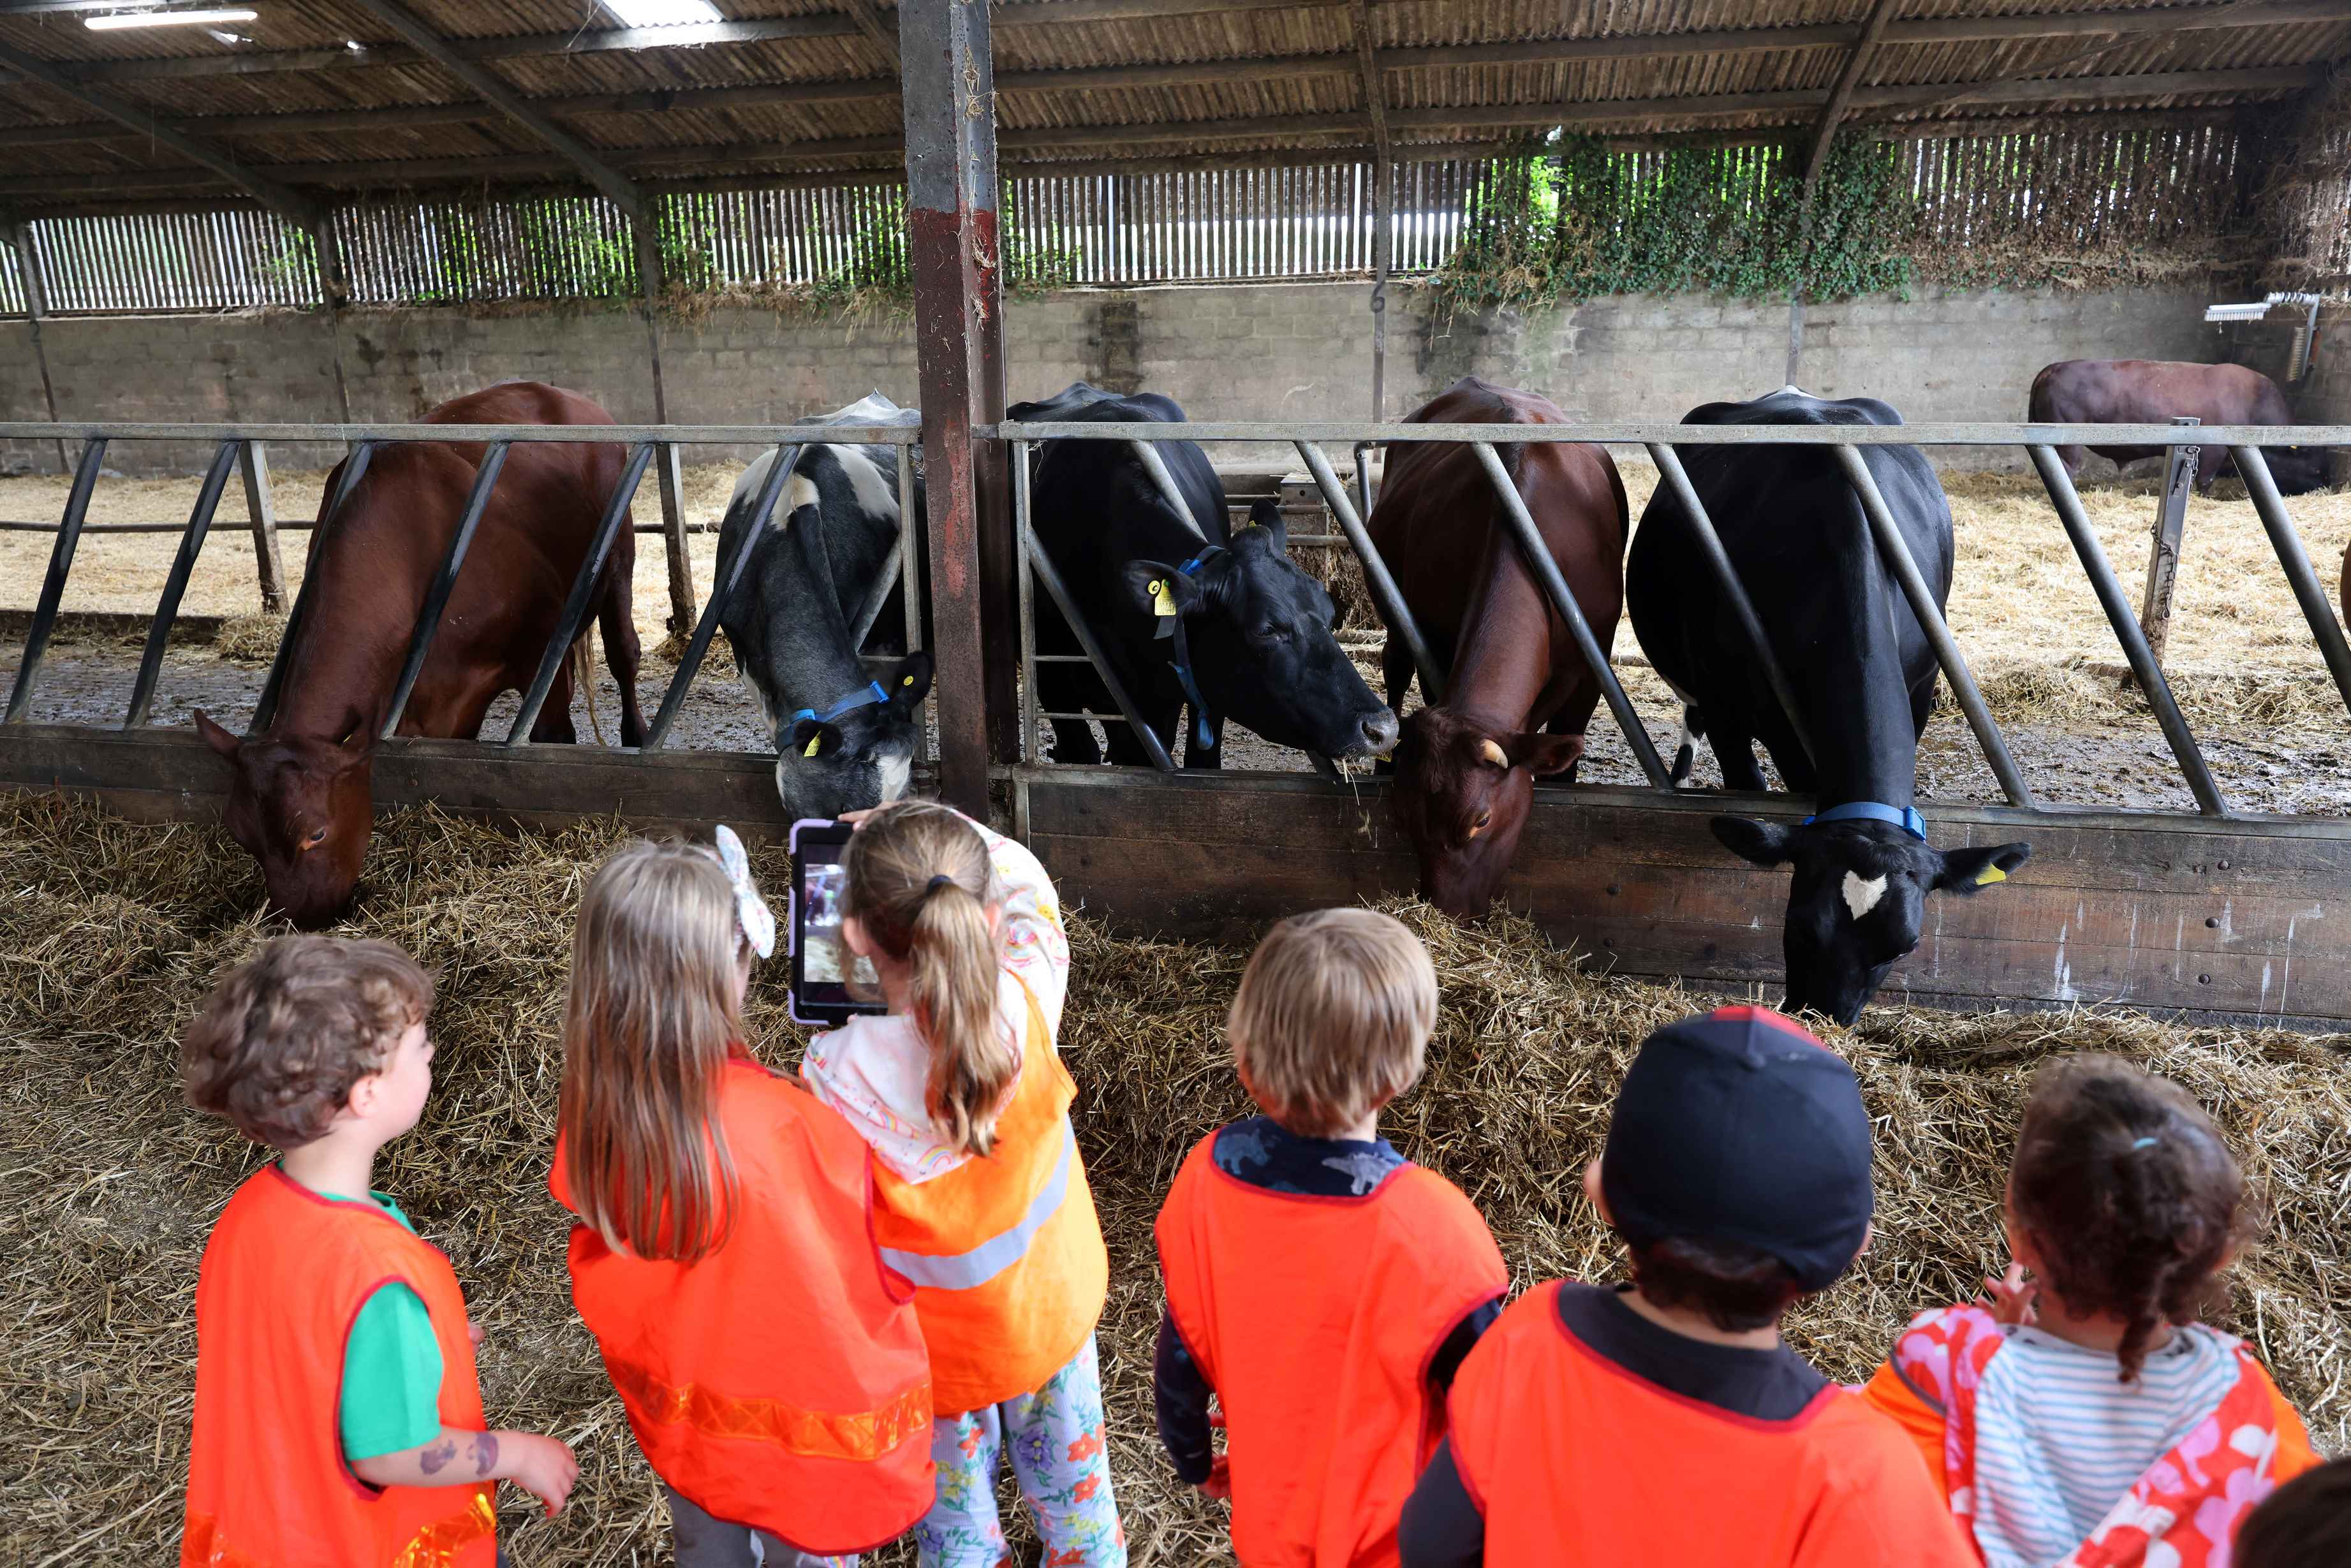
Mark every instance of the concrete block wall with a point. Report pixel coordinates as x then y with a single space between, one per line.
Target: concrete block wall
1262 352
2325 395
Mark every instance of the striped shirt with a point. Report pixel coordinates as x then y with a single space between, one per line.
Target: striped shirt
2060 1439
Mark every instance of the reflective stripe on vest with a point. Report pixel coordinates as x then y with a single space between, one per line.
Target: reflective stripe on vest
968 1270
435 1546
860 1436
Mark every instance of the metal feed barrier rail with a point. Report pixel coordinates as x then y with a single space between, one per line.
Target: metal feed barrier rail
2041 440
244 443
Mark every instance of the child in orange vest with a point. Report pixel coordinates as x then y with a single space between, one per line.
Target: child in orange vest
724 1260
1666 1421
2087 1416
1321 1286
338 1423
984 1206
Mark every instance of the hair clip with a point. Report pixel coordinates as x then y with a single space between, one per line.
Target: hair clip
2144 1143
752 915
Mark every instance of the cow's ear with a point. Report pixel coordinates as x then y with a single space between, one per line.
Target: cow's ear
1543 755
910 682
356 741
1161 591
216 737
1267 515
813 737
1972 870
1761 843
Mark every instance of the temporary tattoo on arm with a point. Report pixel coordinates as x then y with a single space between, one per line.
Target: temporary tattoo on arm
485 1453
437 1455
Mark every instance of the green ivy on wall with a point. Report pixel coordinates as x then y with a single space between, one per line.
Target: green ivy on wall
1579 219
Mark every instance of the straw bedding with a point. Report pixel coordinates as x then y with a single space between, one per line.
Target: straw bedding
110 931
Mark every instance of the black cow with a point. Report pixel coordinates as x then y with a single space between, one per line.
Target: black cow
1254 641
844 735
1856 659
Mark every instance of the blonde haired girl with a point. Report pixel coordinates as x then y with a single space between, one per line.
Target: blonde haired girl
725 1217
960 1090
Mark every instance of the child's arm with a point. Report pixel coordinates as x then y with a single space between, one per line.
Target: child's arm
1036 946
540 1465
1181 1397
1922 1422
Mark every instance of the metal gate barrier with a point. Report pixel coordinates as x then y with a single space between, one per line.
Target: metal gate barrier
246 444
1659 440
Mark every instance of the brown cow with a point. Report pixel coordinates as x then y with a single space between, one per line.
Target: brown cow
300 796
1465 772
2155 391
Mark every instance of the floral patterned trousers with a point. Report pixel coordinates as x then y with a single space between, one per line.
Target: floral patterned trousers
1057 1454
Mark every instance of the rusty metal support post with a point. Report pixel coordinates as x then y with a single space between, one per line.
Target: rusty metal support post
334 293
948 88
671 482
2170 529
36 305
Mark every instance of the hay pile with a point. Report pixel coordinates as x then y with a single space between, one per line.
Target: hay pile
110 931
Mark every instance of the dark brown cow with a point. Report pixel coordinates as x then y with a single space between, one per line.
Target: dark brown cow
300 796
1518 696
2156 391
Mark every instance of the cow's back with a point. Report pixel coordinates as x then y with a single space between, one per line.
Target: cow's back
1437 506
1795 532
2155 391
375 565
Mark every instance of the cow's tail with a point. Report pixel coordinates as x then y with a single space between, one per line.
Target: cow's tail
583 675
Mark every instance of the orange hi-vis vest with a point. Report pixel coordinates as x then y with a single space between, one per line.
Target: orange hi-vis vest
284 1275
1572 1458
1315 1319
779 1381
1004 1252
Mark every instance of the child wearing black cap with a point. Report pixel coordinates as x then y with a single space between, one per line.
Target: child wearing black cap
2085 1415
1665 1422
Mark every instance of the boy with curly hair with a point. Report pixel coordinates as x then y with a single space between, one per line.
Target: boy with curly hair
338 1417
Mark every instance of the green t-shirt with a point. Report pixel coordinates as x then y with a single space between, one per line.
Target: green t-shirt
391 1366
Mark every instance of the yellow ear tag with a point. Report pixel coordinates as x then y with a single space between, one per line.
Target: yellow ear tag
1162 602
1990 874
905 679
814 741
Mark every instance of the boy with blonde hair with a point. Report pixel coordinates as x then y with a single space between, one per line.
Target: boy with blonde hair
337 1417
1320 1286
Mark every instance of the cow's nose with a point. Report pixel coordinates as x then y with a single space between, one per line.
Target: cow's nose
1380 730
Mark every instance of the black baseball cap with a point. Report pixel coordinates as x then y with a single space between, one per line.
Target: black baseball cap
1740 1125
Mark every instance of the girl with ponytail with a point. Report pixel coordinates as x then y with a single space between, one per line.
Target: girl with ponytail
982 1203
772 1370
2081 1413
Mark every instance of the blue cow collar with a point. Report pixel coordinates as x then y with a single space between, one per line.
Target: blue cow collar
1905 817
1173 627
871 694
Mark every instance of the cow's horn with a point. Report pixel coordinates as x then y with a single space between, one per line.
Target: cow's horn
1489 752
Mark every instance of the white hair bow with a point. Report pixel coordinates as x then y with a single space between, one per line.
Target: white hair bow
751 912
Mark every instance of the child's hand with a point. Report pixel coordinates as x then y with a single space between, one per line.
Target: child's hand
540 1465
1219 1483
473 1333
856 819
2010 1297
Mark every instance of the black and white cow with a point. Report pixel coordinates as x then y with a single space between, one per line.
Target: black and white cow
1858 664
1229 628
844 733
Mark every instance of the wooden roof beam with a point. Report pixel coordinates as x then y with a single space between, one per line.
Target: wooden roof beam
1277 68
1872 28
661 162
279 199
496 91
1922 30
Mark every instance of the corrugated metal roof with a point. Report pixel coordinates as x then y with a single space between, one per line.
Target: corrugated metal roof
1144 79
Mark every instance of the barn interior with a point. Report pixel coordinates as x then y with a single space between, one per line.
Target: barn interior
323 218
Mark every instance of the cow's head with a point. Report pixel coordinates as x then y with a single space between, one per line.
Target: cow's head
1259 631
303 807
858 758
1858 899
1461 792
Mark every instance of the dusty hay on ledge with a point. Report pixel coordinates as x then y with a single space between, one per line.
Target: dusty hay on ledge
110 931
